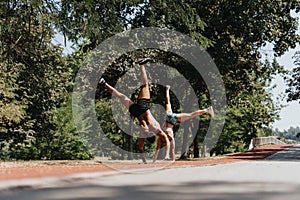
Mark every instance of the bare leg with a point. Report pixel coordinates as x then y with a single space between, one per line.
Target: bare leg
168 102
141 149
166 124
165 138
123 98
147 116
144 93
186 116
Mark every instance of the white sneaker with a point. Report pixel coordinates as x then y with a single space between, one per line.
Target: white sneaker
210 111
102 81
144 61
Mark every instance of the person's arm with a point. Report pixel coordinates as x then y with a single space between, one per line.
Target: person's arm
157 150
141 149
173 149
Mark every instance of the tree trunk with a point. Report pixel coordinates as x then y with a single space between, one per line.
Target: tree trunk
185 146
196 147
130 142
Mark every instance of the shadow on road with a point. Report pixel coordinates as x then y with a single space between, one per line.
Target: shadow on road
260 152
290 154
190 190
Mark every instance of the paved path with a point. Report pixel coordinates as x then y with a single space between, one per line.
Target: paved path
290 154
267 179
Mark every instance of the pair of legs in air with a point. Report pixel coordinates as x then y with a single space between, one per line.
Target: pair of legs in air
172 119
140 110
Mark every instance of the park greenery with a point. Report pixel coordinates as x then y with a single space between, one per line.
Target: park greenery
291 135
36 78
294 79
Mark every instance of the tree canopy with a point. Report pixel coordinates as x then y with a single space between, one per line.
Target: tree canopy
36 78
294 80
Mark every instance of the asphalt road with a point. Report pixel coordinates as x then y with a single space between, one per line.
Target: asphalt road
291 154
277 177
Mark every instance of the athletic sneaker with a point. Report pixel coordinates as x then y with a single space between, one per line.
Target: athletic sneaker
102 81
144 61
210 111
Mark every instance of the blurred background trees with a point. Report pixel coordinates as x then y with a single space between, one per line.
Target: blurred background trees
37 78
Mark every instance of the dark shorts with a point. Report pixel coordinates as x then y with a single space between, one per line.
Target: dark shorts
140 107
171 118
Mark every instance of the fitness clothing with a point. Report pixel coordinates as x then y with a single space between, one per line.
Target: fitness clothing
168 129
140 107
171 118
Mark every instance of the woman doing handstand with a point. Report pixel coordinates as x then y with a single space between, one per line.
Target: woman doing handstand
172 119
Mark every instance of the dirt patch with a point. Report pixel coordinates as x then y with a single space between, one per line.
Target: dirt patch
36 169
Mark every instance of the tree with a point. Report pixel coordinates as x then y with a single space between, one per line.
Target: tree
233 32
66 143
294 80
291 133
34 78
95 20
239 30
89 22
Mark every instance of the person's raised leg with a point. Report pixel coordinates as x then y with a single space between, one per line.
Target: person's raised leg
123 98
168 101
210 111
186 116
145 92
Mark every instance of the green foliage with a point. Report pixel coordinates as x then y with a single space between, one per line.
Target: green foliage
294 80
34 79
232 32
177 15
239 29
66 142
108 126
95 20
291 134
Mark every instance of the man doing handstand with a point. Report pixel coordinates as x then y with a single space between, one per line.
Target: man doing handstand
141 110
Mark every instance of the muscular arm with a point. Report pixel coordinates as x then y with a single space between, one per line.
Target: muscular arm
159 142
173 149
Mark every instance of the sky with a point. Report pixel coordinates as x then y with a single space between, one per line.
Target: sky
289 115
